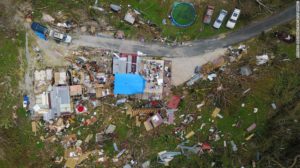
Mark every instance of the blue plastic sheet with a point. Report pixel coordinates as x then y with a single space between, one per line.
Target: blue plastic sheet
129 84
40 35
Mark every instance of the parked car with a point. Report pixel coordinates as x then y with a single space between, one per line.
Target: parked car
208 14
60 37
233 19
220 19
39 28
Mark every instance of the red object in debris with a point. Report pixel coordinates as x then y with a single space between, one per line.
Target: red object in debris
206 146
174 102
80 109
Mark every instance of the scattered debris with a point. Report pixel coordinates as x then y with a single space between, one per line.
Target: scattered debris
234 147
245 70
115 8
165 157
215 112
274 106
260 60
211 76
249 137
120 34
146 164
251 127
129 17
110 129
285 37
153 122
47 18
190 134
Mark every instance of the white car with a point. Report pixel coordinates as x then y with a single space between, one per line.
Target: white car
220 19
233 19
60 37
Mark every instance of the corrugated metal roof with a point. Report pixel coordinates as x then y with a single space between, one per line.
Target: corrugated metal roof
60 100
119 65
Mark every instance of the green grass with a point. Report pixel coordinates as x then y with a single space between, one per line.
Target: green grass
18 145
10 75
67 7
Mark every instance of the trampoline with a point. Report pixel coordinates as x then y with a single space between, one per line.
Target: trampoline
183 14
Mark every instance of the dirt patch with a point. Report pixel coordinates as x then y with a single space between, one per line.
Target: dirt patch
183 68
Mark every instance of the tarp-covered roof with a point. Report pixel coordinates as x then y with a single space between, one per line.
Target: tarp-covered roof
128 84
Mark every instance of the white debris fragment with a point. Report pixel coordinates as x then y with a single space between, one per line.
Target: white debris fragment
146 164
274 106
202 125
255 110
260 60
211 76
201 104
234 148
220 116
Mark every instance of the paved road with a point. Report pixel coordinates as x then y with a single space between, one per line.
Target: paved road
194 48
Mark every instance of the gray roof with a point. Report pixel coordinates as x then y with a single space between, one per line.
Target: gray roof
60 102
119 65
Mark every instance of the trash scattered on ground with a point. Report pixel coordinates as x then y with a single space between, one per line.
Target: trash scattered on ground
251 127
110 129
153 122
115 8
260 60
165 157
211 76
274 106
245 71
215 112
284 36
190 134
146 164
234 147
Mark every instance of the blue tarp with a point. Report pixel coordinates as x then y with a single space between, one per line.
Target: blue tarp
40 35
128 84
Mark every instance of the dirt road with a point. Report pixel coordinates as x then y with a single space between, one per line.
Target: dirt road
28 79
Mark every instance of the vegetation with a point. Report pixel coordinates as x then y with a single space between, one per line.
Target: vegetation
18 146
10 75
276 131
